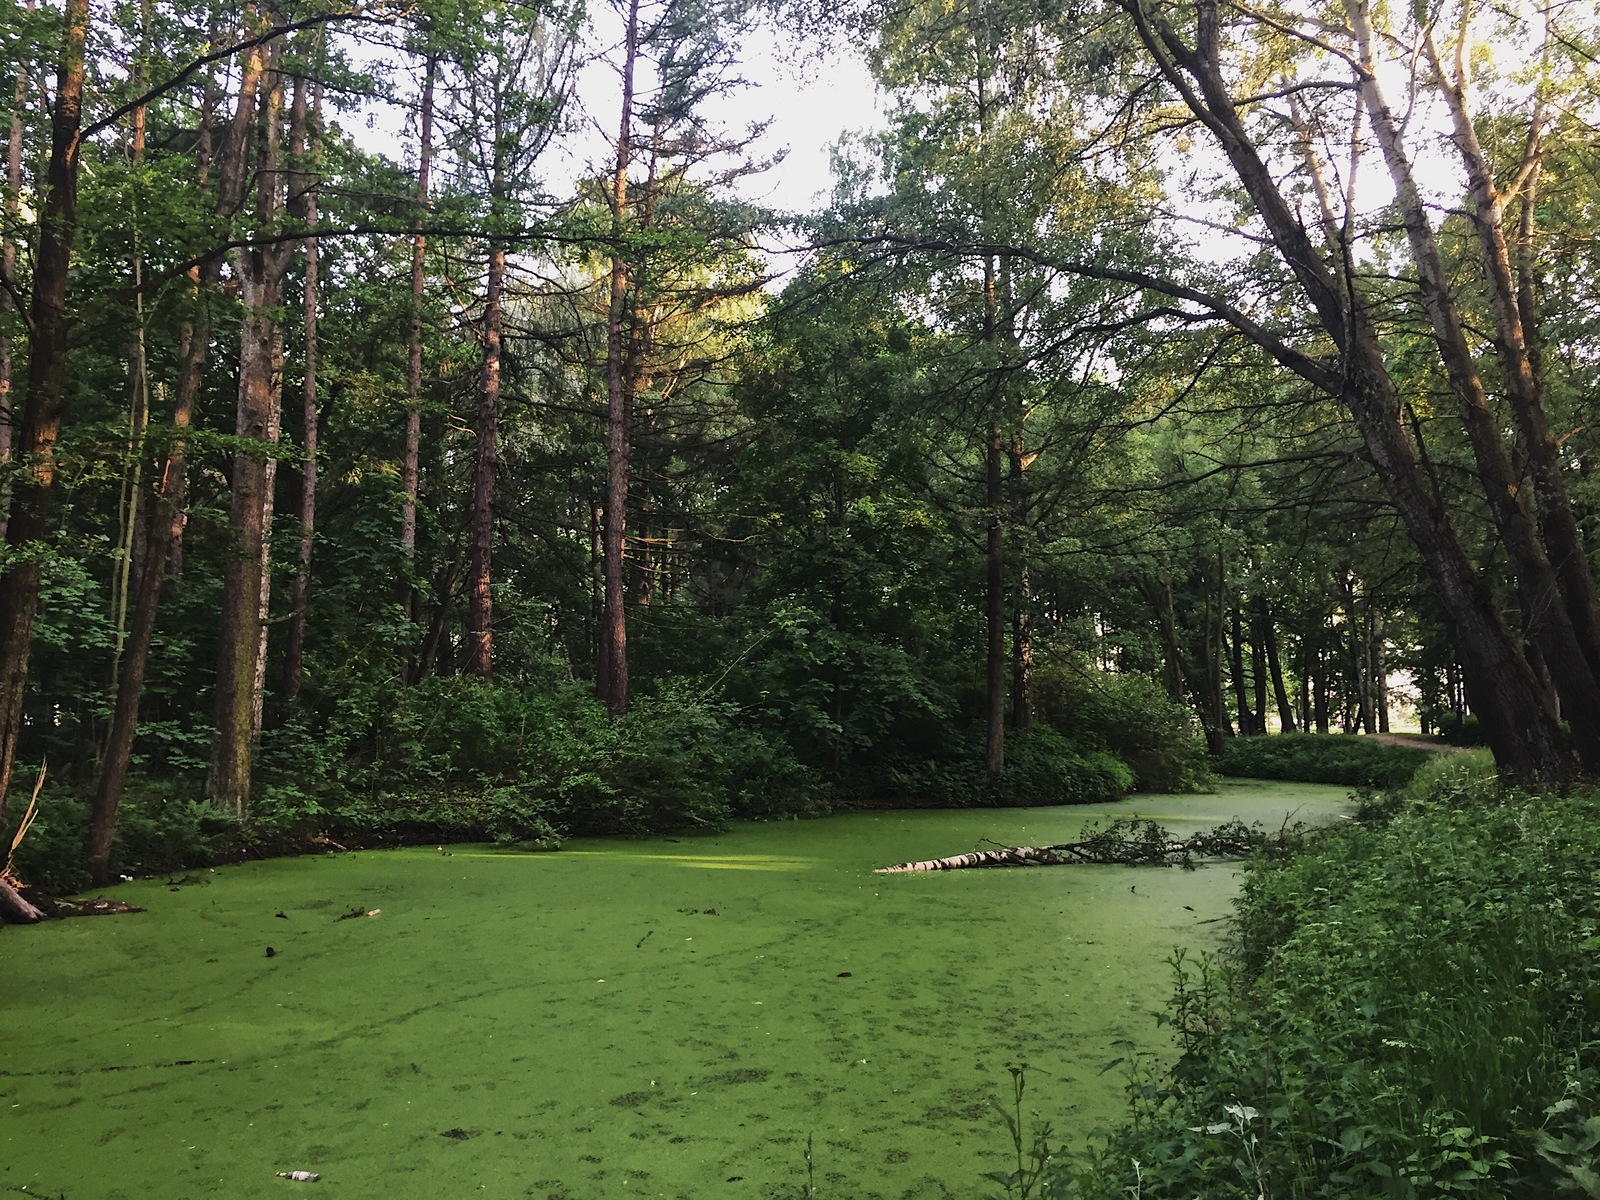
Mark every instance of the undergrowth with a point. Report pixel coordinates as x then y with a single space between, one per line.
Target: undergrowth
1409 1008
1349 759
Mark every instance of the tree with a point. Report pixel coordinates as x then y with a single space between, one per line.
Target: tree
28 523
509 103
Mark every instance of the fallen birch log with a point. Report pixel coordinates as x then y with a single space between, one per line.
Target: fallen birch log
1127 842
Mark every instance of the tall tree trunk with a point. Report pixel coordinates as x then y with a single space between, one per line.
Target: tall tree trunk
1215 707
45 404
1267 633
1379 665
1319 692
480 606
1258 674
1527 745
303 183
260 271
612 677
165 531
1241 698
1159 593
1572 656
434 642
1516 351
994 561
128 514
410 470
1022 604
8 264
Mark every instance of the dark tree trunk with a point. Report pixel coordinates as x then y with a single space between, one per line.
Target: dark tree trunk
33 499
480 607
994 757
1267 635
1247 719
8 265
431 657
410 469
1159 593
165 532
1022 603
1214 710
612 675
303 183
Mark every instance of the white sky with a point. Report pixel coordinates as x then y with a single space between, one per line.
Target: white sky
811 101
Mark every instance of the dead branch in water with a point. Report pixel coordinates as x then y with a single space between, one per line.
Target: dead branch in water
1128 842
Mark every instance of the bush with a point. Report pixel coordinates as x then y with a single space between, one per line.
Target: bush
1041 767
160 828
1407 1011
1349 759
1131 716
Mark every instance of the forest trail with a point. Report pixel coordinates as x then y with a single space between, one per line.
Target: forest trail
1418 741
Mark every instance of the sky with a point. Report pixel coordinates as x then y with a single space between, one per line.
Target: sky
811 100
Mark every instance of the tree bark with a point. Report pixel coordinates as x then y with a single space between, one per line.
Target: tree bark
480 605
166 521
410 468
33 499
994 754
260 271
611 683
303 128
14 910
1267 632
8 266
1248 725
165 531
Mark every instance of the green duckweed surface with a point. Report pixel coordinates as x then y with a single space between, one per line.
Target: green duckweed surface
622 1018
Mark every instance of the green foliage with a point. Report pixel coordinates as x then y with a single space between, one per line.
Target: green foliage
464 760
1322 758
1407 1011
1130 715
160 828
1041 767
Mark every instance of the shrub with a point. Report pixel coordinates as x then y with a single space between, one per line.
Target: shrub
1041 767
1349 759
1407 1011
161 827
1131 716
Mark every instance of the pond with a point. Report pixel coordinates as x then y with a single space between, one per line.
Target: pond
661 1017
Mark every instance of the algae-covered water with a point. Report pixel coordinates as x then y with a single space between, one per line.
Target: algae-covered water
663 1017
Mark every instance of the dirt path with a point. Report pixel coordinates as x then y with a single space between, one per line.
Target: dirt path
1418 741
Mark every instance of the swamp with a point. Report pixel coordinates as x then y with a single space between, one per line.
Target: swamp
673 1017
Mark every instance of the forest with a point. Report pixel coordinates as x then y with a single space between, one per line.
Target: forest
1148 371
416 429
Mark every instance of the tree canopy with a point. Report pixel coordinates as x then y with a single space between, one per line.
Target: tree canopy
1161 373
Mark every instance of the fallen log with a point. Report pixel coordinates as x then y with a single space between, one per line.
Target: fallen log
14 910
1126 842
